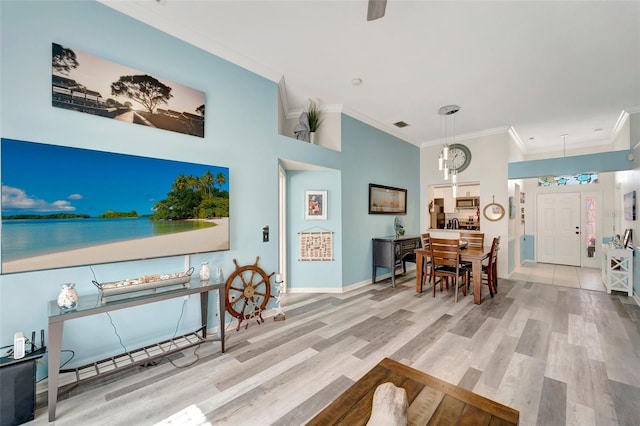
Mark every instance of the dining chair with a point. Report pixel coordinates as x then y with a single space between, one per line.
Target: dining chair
427 264
475 239
445 256
490 270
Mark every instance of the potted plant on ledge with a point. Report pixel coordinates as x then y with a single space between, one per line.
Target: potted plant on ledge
313 114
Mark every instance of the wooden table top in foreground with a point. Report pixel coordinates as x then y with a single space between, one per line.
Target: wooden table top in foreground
431 401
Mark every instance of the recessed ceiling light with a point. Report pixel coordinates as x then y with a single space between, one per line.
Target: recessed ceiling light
532 138
356 81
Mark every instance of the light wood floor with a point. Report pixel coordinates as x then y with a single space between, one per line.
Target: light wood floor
559 355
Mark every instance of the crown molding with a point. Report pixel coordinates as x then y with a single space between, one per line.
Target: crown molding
516 138
386 128
617 128
473 135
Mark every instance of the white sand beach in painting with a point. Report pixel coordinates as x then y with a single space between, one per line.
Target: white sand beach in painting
198 241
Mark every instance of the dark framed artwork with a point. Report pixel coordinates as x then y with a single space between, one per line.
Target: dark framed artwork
64 207
89 84
387 200
630 205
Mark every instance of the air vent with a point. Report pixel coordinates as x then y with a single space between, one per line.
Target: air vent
400 124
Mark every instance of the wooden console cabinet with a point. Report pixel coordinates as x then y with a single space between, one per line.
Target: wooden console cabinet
391 252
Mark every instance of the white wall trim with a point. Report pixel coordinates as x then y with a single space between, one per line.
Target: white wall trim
617 128
516 138
474 135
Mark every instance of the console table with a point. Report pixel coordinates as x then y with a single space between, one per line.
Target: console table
90 305
391 252
617 269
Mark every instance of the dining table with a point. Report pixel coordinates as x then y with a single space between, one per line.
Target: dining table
475 255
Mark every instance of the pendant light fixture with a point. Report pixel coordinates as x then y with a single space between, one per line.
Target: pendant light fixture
447 113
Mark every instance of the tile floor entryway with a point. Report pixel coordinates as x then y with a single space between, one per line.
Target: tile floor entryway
561 275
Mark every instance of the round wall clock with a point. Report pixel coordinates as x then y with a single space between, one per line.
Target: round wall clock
459 157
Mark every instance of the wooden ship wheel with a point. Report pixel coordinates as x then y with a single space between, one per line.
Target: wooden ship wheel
247 292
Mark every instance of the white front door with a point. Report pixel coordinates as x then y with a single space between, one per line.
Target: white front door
558 230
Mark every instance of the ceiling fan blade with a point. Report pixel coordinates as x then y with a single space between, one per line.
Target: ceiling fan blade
376 9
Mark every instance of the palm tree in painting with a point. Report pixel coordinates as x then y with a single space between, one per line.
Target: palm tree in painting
221 179
207 181
180 183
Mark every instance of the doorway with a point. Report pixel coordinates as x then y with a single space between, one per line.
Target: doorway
558 228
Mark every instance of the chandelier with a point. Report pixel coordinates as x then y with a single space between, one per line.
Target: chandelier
448 120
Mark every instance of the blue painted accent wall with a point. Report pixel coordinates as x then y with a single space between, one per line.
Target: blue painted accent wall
527 248
372 156
601 162
240 133
314 274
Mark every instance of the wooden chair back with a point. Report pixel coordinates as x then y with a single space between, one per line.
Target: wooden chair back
475 239
445 258
491 269
425 239
445 252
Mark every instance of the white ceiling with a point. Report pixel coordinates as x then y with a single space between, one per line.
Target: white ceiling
541 68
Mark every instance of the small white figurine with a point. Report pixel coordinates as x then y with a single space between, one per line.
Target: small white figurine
280 298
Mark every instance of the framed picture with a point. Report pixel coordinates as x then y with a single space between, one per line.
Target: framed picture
315 205
387 200
630 205
73 207
96 86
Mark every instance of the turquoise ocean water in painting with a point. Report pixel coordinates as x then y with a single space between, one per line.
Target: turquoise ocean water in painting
27 238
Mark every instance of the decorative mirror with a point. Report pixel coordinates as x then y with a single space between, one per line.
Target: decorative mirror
493 211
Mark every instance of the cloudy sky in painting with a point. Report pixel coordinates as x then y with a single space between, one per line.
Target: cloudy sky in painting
43 179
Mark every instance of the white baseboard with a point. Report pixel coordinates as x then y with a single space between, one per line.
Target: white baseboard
346 289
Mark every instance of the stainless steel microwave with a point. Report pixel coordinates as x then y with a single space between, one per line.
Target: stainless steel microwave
468 202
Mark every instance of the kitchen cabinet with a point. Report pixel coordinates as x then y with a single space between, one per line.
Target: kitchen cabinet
469 191
445 194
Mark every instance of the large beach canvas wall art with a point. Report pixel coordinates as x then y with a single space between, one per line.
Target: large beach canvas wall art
89 84
64 207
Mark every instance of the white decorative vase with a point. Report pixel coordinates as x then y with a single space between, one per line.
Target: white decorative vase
68 297
205 272
312 138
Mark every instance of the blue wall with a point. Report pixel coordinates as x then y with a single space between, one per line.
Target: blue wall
527 248
241 133
314 274
371 156
610 161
